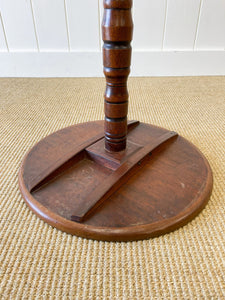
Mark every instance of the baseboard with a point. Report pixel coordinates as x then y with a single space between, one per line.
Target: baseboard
89 64
179 63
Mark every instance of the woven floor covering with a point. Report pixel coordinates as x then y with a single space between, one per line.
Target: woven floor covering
41 262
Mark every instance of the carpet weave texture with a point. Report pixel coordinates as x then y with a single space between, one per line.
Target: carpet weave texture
41 262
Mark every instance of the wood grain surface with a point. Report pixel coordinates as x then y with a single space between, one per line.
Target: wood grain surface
165 191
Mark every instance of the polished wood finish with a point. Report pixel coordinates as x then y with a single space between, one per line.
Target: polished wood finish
126 169
117 30
164 190
109 180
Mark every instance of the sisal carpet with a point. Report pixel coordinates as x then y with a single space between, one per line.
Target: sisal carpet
39 262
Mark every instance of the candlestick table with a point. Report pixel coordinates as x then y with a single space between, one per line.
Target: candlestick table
115 180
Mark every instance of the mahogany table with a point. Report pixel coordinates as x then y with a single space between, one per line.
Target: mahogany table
115 180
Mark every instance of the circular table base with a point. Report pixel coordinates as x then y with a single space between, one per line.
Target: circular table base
165 191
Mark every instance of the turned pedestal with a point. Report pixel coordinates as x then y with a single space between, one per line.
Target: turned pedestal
115 180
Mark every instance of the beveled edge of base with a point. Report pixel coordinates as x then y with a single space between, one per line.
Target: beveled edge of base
122 234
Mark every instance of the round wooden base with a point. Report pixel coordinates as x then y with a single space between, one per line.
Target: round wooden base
62 177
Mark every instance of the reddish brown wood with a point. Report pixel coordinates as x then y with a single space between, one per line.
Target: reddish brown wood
121 194
127 168
60 162
166 191
117 29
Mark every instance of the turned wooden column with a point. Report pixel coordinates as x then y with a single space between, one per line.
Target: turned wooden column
117 31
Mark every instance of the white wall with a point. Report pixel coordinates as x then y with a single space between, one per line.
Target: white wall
63 37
